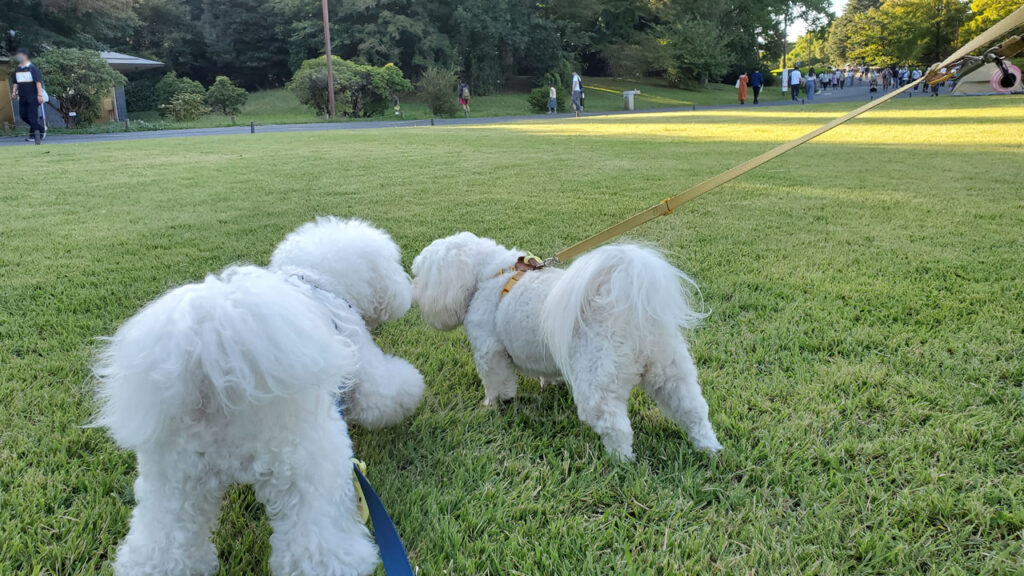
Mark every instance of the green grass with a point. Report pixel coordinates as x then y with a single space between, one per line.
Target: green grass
279 106
863 362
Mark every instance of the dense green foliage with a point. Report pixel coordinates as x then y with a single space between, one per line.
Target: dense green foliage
862 361
261 43
79 79
437 88
359 89
171 85
225 97
185 107
886 32
539 97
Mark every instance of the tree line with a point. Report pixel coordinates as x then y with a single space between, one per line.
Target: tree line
898 32
261 43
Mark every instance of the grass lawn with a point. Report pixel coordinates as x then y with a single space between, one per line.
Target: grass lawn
864 360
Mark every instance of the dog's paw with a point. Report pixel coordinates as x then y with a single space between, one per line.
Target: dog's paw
709 447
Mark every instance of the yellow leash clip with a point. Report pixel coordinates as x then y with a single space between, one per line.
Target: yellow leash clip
364 510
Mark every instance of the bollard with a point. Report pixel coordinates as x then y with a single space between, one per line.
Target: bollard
127 127
252 127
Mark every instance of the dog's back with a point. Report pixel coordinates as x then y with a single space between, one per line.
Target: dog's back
216 350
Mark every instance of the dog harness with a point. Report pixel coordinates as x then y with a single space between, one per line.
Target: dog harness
523 264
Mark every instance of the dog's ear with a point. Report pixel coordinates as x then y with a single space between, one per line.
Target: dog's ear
445 279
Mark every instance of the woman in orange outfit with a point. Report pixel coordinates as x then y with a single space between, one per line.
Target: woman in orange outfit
742 85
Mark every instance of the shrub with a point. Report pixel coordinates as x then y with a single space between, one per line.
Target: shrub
538 99
185 107
674 77
225 97
79 79
437 88
140 95
171 85
359 89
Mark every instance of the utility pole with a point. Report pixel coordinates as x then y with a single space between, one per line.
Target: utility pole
330 67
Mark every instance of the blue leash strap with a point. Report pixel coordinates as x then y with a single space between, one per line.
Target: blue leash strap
392 552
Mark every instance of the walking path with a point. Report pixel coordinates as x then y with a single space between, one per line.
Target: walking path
857 93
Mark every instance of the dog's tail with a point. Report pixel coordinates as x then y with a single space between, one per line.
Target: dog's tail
206 350
631 288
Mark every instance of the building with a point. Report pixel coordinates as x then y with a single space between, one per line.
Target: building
113 106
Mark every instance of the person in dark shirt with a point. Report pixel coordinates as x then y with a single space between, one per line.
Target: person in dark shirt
28 90
756 83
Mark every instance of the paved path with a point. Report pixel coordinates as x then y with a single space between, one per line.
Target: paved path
857 93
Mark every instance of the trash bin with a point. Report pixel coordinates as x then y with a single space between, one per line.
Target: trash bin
627 99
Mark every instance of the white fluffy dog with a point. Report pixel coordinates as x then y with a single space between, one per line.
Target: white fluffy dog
235 380
608 323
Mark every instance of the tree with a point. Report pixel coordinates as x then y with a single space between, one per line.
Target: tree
985 14
901 32
360 89
437 88
243 41
225 97
171 85
79 79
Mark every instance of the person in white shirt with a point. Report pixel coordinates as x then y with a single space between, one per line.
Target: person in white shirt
914 76
577 92
794 83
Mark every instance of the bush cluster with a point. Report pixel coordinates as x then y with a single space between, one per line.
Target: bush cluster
437 89
538 99
360 90
185 107
225 97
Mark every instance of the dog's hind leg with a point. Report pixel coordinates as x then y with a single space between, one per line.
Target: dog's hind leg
177 508
601 390
311 503
671 380
495 369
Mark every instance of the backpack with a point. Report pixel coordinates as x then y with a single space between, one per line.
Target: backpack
464 93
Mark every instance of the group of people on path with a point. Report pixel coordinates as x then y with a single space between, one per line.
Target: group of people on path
817 82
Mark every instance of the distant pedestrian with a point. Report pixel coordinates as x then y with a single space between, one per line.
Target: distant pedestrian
464 97
28 91
756 83
741 84
809 82
794 84
552 99
914 76
577 93
842 79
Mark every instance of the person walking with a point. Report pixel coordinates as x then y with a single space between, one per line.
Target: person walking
809 82
756 83
28 91
741 83
552 99
577 93
794 84
464 97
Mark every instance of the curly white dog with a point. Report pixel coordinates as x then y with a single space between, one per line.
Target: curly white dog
235 380
608 323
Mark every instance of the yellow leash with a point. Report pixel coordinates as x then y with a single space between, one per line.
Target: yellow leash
668 205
